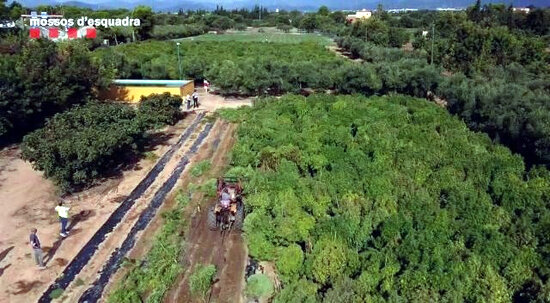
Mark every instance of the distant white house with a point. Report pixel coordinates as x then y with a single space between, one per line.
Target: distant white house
402 10
449 9
360 15
521 9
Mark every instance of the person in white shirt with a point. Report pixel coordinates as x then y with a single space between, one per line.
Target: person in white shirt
188 101
206 85
63 213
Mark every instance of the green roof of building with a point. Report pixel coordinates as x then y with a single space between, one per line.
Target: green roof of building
143 82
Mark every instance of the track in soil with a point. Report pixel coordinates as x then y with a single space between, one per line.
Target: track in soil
86 253
226 251
93 294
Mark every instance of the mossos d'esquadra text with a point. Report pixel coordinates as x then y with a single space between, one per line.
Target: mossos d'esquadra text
85 21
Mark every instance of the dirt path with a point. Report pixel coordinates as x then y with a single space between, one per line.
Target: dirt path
211 102
228 253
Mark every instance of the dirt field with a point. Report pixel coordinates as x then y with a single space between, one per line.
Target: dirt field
28 201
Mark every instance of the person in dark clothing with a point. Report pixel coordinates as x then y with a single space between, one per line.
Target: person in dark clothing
37 249
195 99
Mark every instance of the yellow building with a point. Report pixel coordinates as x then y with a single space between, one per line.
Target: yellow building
131 90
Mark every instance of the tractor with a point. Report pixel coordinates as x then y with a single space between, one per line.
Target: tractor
228 211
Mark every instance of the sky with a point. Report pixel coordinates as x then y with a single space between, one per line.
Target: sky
282 4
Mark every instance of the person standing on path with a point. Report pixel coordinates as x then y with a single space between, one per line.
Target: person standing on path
188 101
63 213
206 85
195 99
37 249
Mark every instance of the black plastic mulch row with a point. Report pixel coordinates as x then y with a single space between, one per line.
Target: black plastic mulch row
86 253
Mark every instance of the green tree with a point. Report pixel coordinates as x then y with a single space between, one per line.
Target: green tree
397 37
309 23
329 260
258 286
538 22
474 12
3 9
41 80
145 15
301 291
289 262
323 11
83 144
15 10
159 109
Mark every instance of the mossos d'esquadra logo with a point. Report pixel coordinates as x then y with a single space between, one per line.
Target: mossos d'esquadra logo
58 27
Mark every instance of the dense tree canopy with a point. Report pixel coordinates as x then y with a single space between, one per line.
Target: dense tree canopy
41 79
389 198
81 145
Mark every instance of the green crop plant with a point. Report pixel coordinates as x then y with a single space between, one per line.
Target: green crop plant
389 198
201 280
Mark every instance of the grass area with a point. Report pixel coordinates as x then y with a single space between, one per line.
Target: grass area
269 35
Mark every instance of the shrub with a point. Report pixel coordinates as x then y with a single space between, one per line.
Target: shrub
201 279
200 168
258 286
159 109
56 293
80 145
88 142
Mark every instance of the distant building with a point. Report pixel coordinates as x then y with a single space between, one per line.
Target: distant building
401 10
360 15
449 9
129 90
521 9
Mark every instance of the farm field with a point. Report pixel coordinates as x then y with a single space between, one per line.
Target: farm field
245 68
400 157
269 35
419 208
35 198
